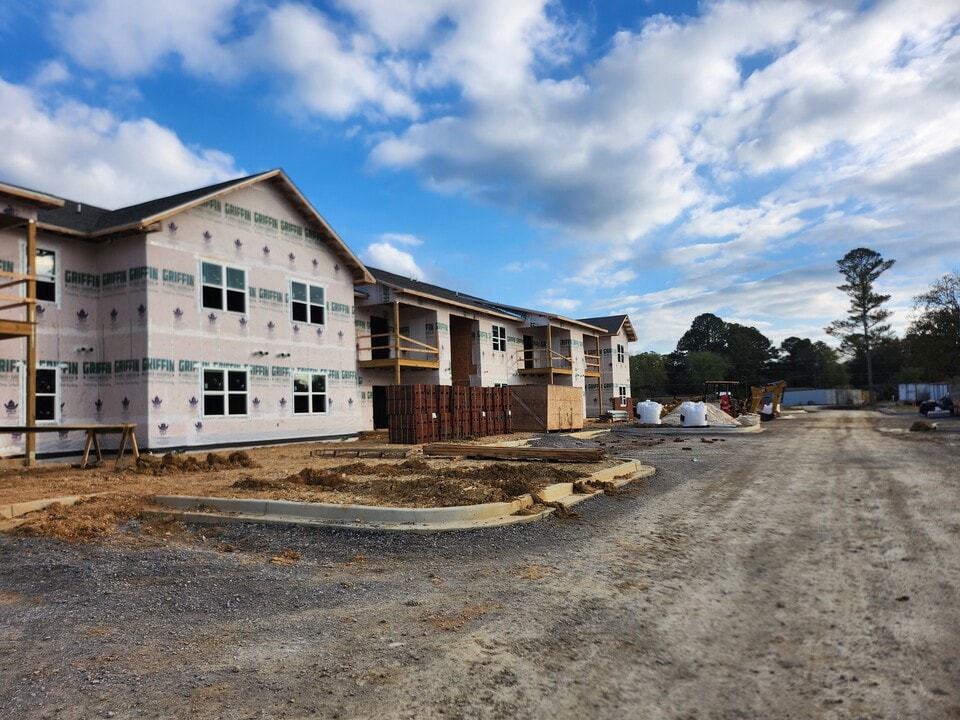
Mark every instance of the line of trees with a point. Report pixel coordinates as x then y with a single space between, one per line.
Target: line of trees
869 356
713 349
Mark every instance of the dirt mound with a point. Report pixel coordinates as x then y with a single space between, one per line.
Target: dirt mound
416 482
172 463
89 519
922 426
253 484
322 478
471 485
407 467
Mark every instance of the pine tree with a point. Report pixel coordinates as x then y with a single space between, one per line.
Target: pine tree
865 324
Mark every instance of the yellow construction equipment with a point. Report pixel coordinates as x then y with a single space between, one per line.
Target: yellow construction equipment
772 391
726 393
670 405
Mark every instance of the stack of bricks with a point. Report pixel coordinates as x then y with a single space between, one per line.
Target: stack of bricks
432 413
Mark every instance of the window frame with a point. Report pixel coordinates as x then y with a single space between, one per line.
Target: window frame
55 395
621 353
308 304
622 392
499 339
224 392
223 287
45 279
310 394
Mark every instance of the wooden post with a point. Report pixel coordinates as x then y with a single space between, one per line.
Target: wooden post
30 447
550 350
396 339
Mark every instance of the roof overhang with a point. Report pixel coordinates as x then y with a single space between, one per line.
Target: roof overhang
445 301
31 196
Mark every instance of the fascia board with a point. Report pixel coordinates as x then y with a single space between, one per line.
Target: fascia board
453 303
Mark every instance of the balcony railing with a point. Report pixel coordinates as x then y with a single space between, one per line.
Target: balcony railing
591 365
386 349
535 361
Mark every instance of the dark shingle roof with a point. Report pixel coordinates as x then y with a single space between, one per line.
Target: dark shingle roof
89 219
612 324
91 222
405 283
392 279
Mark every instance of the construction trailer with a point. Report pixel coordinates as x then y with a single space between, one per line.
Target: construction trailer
234 314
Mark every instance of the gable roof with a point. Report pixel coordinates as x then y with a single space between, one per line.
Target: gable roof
435 292
612 324
91 222
441 294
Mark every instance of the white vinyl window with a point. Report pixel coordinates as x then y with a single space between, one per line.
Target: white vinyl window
223 287
306 303
499 338
621 354
309 394
622 390
224 392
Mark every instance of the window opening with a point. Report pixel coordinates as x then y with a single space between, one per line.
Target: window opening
46 395
309 393
499 338
306 303
223 287
224 392
46 275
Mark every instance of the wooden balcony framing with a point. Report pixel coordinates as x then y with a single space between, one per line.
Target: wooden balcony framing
399 352
543 361
25 328
591 365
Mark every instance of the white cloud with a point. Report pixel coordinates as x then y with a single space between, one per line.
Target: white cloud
519 266
400 239
560 305
385 256
401 25
127 38
332 73
653 154
52 72
88 154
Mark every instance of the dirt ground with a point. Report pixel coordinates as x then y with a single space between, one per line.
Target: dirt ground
809 571
286 472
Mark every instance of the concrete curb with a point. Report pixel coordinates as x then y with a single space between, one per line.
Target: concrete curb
205 510
15 510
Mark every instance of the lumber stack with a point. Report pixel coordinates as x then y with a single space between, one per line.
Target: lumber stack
494 452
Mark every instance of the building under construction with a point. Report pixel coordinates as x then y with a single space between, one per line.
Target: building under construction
235 315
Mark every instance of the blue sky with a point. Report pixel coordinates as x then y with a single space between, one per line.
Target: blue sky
663 159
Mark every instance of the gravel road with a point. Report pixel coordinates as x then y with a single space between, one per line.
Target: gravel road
810 571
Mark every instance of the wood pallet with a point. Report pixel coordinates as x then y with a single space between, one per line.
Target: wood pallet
362 452
493 452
